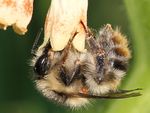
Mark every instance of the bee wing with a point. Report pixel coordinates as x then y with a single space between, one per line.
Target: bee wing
113 96
120 94
127 91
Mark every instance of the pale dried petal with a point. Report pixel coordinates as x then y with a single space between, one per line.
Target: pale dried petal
17 13
63 20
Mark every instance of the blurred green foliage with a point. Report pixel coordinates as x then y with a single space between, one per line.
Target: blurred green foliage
17 91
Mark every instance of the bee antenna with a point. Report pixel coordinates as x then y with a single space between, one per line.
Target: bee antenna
34 47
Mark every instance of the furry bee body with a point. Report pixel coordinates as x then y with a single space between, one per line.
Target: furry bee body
72 76
52 85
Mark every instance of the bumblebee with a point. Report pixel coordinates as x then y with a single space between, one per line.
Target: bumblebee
73 78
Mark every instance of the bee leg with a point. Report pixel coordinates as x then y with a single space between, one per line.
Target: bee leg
100 68
67 77
99 58
97 52
90 39
67 49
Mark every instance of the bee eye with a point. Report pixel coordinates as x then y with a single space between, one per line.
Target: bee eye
42 65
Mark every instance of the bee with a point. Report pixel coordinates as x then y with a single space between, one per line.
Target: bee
73 78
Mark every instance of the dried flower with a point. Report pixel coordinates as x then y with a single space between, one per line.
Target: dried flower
63 20
17 13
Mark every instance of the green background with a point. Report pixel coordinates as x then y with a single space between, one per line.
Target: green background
17 91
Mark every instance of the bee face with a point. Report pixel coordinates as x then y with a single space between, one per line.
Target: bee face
72 78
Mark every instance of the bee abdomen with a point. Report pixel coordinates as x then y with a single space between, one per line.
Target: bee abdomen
116 53
120 65
120 51
120 45
119 54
